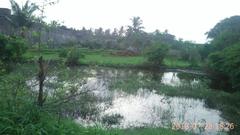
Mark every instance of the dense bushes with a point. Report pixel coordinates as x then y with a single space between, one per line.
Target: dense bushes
11 48
72 56
156 53
227 62
63 53
20 115
224 61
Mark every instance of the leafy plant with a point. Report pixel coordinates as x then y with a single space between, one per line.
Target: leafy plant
156 54
73 57
11 48
225 33
227 63
63 53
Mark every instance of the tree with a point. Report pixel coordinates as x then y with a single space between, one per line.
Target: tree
164 37
23 16
224 62
136 25
225 33
156 53
135 36
121 31
115 32
227 63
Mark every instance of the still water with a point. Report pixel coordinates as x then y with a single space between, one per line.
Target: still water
141 106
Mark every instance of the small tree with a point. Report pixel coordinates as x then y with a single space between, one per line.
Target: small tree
156 53
73 57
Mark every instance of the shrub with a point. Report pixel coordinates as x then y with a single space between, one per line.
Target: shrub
11 48
156 54
73 57
63 53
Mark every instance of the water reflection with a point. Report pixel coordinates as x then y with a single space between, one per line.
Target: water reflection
148 109
171 78
143 108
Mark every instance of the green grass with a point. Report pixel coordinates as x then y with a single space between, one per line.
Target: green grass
47 55
105 58
109 60
174 63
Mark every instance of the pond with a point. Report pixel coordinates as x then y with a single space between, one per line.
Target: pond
129 98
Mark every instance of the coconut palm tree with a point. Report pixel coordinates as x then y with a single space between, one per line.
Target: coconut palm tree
136 24
23 16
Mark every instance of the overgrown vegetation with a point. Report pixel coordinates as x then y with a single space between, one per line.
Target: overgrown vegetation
20 113
156 54
224 61
11 48
74 57
26 111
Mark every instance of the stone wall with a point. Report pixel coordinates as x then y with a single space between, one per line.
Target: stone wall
6 26
57 36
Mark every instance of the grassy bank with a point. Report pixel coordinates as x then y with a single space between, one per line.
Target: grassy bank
107 58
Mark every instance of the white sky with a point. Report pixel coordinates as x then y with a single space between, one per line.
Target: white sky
187 19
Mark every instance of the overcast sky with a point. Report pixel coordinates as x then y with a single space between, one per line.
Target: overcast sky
187 19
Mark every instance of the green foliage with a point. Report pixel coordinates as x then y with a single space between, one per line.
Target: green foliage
228 63
2 68
156 54
136 25
11 48
73 57
23 16
228 24
106 58
224 62
63 53
20 115
194 58
205 50
225 33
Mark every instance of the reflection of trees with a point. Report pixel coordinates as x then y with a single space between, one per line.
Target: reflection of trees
186 76
189 78
156 76
174 76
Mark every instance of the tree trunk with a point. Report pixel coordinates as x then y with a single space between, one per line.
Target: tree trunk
41 78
